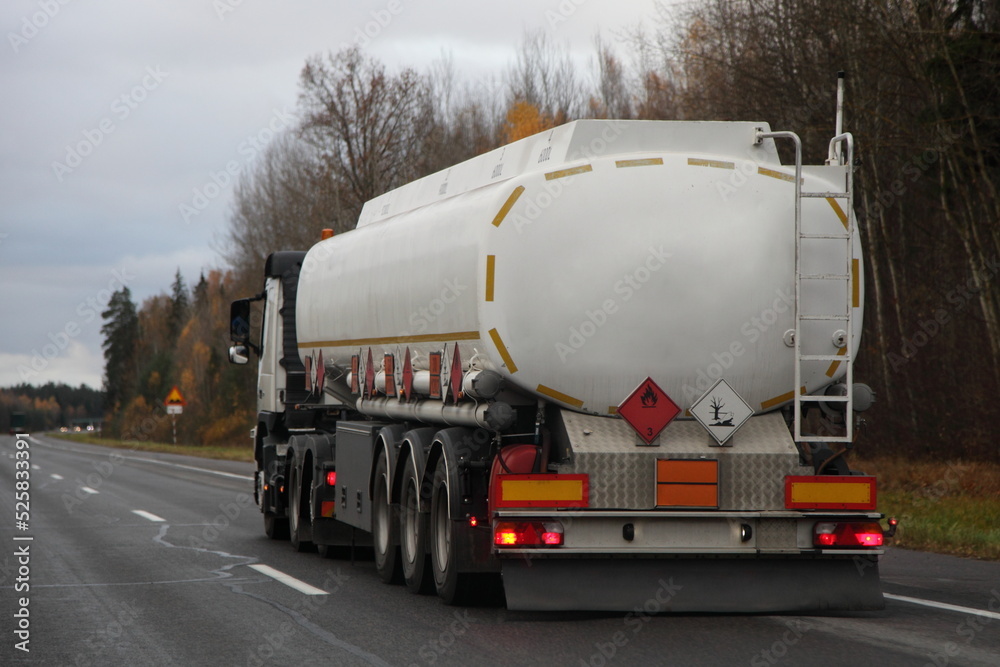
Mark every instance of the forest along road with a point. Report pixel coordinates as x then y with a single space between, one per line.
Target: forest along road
139 558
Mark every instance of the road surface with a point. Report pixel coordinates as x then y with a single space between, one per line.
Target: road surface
151 559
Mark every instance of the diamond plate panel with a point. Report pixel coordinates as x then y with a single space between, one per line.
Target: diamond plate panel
776 534
623 474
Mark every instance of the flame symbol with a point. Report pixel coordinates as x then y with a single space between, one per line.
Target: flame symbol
648 397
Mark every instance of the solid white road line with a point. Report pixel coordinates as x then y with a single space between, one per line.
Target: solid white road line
288 580
148 515
55 476
165 463
87 489
944 605
178 465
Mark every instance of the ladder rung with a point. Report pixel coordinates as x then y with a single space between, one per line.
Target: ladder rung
837 237
826 194
823 438
823 318
824 357
823 399
824 276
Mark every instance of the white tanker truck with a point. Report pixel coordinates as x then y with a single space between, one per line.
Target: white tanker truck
582 364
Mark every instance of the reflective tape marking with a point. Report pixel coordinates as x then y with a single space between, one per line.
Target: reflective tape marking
771 173
644 162
559 396
572 171
835 364
718 164
491 264
839 211
502 349
507 205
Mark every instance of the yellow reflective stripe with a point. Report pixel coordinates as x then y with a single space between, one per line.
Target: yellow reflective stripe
778 400
572 171
394 340
763 171
839 211
559 396
856 283
507 205
502 349
541 489
718 164
491 263
644 162
833 365
827 492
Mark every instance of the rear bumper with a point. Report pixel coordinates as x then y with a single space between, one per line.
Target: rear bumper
597 533
724 584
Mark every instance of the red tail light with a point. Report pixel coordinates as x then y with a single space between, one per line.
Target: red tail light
528 534
331 478
850 534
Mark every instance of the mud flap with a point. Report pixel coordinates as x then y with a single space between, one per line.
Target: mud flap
693 585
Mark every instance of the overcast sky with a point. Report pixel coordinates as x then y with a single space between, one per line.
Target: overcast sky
116 113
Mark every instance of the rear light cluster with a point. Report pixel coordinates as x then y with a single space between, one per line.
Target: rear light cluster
331 478
850 534
528 534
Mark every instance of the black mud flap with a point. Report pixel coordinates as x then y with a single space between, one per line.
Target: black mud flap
693 585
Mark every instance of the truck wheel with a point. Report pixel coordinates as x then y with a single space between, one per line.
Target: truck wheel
413 536
385 533
275 527
297 524
453 588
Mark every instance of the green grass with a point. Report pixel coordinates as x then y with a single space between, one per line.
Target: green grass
962 525
223 453
948 507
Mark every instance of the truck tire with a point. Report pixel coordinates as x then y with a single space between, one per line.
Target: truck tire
275 527
413 535
452 587
298 525
385 529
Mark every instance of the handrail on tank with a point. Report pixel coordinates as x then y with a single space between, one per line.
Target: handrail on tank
760 136
832 154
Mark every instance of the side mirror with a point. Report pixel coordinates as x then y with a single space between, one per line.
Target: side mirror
239 324
239 355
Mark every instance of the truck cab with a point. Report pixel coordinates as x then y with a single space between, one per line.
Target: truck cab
281 380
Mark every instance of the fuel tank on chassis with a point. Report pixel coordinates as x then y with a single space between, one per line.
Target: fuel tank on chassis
583 259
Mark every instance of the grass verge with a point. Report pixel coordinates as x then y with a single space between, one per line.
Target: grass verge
243 453
948 507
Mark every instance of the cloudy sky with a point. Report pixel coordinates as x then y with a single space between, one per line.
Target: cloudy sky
118 114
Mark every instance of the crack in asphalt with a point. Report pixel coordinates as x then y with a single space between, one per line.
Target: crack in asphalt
225 577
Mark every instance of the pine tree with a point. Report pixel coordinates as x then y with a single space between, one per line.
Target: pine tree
121 335
179 303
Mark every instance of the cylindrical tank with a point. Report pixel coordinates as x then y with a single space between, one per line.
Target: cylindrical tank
582 260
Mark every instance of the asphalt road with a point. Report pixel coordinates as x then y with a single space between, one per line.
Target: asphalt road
152 559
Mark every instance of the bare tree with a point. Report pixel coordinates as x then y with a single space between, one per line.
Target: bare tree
361 121
614 94
282 201
543 75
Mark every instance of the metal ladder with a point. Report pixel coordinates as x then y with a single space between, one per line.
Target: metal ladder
845 342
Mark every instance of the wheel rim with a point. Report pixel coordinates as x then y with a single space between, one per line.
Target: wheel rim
442 529
293 505
410 521
381 517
